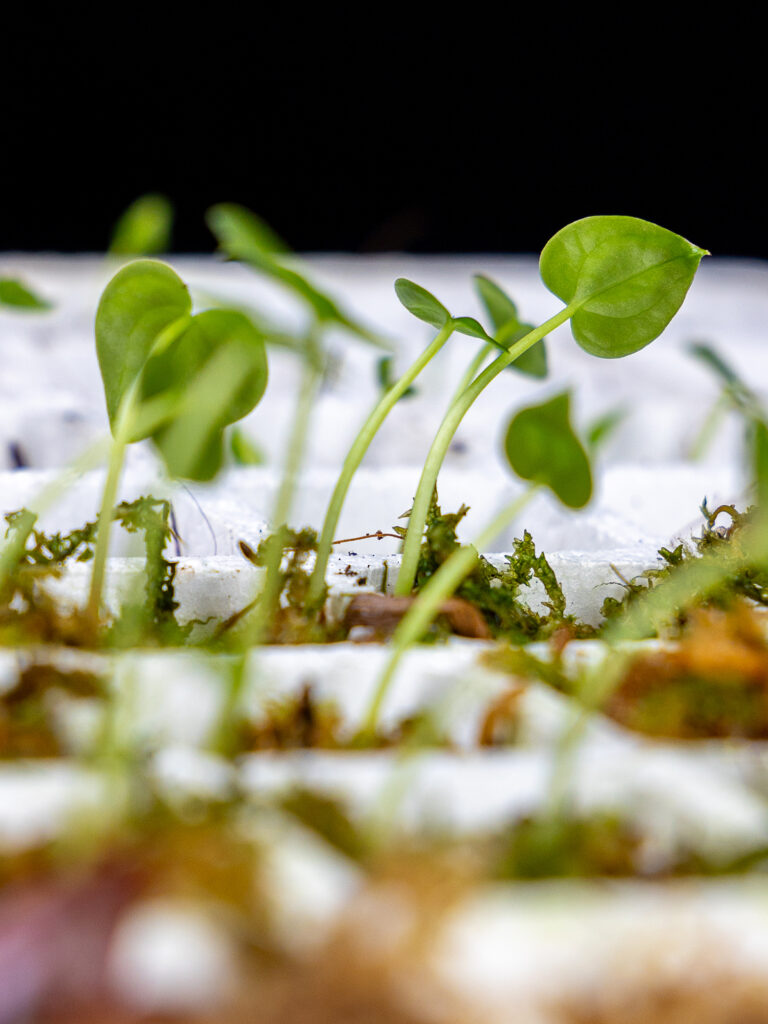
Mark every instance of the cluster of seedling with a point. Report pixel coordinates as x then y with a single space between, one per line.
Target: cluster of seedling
179 378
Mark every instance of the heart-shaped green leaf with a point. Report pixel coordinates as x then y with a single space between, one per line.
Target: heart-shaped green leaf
625 277
542 447
508 328
219 366
140 302
16 295
144 229
421 303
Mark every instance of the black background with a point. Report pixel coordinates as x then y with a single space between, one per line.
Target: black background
366 131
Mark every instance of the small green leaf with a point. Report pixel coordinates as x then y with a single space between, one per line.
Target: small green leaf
626 278
13 293
387 379
144 229
140 302
468 325
502 312
601 429
244 451
244 236
421 303
542 447
239 230
219 365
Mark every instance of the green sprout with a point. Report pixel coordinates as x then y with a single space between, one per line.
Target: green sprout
424 306
171 376
244 236
622 280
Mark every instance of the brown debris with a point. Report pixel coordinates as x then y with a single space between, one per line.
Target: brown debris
712 683
382 613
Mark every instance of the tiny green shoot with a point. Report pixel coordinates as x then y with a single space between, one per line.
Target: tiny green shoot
622 280
243 450
144 229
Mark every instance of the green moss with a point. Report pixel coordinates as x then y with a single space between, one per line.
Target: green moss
497 592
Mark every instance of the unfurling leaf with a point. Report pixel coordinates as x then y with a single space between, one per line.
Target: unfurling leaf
508 328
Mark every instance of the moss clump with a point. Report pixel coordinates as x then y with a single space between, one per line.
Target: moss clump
497 592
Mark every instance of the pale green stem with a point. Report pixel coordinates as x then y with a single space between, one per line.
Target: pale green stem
355 457
13 547
438 589
270 594
442 442
123 433
709 427
472 370
108 498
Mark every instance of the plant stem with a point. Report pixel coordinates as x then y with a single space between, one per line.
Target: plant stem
355 457
456 412
709 427
311 378
472 370
104 527
438 589
12 549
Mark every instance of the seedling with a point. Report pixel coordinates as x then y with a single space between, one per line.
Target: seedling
171 376
542 430
144 229
244 236
424 306
622 280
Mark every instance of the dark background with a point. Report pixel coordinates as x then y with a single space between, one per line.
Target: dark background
372 133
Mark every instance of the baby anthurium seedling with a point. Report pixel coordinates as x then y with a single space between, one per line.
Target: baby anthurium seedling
622 280
243 236
541 448
424 306
171 376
